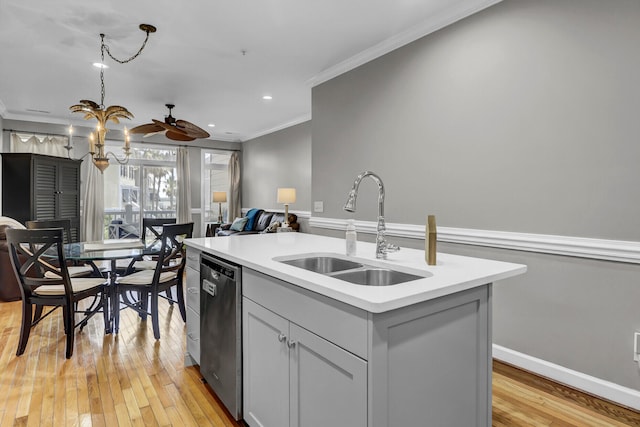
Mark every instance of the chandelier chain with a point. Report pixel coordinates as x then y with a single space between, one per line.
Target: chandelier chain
103 48
124 61
102 72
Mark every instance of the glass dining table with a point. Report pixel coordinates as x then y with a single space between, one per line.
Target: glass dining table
110 250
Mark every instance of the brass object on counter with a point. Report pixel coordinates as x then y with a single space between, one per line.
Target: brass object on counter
430 240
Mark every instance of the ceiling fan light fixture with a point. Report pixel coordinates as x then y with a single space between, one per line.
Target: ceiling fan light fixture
175 129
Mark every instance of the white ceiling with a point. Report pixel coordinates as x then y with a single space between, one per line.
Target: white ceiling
195 59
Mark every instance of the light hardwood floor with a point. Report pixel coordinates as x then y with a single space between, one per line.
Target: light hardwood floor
132 379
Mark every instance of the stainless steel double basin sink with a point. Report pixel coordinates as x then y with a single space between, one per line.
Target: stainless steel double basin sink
353 271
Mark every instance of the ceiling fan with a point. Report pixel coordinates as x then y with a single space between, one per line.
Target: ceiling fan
178 130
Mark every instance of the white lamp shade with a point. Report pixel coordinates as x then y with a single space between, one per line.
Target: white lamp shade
286 195
219 196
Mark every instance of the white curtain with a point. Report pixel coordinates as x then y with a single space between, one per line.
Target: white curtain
39 144
92 221
183 211
234 205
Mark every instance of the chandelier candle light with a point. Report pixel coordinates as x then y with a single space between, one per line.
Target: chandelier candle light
113 113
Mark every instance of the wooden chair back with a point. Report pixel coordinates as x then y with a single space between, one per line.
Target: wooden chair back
33 252
172 256
65 224
152 228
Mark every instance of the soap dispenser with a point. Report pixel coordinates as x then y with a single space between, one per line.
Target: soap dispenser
351 237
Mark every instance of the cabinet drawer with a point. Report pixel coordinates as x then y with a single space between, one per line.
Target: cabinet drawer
334 321
193 289
193 335
193 258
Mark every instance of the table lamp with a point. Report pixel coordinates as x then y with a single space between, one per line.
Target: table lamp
286 196
219 197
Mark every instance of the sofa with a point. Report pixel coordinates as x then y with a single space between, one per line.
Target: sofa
259 221
9 287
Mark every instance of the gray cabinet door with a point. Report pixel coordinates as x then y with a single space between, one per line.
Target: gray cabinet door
193 309
193 338
328 385
265 366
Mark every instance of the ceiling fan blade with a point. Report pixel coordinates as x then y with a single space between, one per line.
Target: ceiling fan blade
191 129
168 127
177 136
146 135
147 128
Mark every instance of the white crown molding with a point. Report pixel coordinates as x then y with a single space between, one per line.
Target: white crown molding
609 250
434 23
605 389
292 122
37 118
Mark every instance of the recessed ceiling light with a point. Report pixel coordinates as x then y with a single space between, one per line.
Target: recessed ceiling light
267 97
211 125
100 65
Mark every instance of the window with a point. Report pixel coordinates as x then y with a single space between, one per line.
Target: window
215 177
147 187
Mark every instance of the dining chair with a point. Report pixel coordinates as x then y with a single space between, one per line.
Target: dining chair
148 284
74 270
31 252
150 235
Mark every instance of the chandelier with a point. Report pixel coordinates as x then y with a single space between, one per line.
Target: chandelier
113 113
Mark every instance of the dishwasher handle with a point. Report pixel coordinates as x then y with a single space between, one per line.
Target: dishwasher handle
209 287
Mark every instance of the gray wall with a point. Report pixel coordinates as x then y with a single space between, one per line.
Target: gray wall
279 159
522 118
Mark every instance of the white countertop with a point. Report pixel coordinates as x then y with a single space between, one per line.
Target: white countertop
453 273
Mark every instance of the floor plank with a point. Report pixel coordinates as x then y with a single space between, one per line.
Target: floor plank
130 379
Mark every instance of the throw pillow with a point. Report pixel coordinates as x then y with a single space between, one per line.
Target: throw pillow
238 224
251 218
272 228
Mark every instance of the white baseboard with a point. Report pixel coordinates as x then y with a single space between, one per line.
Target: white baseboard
607 390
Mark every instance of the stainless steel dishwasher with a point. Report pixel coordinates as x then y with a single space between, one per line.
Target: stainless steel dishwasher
221 331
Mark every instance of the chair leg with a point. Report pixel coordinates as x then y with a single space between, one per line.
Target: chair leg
37 313
68 313
154 314
181 306
144 304
105 308
169 296
25 328
115 301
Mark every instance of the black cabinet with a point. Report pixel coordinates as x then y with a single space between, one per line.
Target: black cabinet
36 186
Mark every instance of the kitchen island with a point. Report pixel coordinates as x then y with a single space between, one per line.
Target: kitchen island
320 351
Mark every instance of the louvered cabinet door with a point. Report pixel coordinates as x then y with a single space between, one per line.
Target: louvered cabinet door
45 188
68 196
